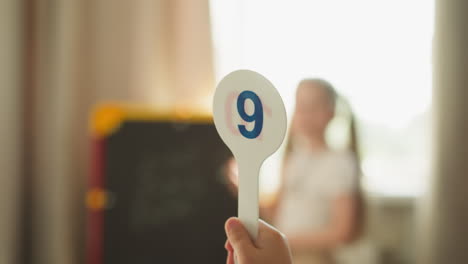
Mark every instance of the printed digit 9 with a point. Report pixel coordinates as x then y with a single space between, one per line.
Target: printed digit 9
256 116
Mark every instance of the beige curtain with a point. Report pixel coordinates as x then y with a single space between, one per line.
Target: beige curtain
444 236
10 127
154 51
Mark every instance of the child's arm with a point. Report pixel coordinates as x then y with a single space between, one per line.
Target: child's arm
340 229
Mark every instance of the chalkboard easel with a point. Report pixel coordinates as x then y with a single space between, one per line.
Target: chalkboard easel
157 189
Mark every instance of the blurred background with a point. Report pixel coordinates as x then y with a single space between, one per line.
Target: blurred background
60 58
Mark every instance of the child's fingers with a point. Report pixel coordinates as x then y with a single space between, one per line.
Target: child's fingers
268 235
228 246
230 257
238 236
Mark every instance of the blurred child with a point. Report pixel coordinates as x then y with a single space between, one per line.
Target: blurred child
319 207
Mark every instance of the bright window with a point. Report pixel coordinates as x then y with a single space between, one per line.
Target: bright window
376 53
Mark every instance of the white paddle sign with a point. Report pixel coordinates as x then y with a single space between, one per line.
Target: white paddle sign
250 117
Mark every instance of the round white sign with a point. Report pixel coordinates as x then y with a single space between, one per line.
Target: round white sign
250 117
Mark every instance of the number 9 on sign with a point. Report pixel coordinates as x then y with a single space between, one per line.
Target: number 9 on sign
256 116
249 115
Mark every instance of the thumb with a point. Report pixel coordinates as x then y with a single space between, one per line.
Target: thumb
238 237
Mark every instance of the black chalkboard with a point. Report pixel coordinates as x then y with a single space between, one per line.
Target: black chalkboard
168 194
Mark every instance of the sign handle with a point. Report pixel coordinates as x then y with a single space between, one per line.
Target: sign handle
248 210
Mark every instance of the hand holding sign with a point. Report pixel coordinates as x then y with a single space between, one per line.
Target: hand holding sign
251 119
